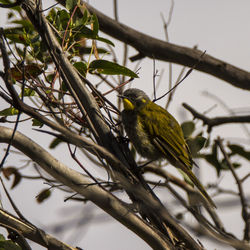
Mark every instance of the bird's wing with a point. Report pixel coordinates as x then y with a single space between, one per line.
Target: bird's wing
170 142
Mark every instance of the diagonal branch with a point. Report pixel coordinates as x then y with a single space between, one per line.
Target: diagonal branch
245 213
23 228
77 181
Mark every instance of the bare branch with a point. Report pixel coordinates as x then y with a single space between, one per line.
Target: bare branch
216 121
217 233
188 188
94 193
9 221
245 213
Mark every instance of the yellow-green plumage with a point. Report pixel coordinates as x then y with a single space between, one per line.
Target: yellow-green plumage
156 134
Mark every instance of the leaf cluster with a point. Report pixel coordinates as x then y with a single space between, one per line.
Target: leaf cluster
211 154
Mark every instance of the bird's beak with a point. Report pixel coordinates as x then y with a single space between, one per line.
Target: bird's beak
128 105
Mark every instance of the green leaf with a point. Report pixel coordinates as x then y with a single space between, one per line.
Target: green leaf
9 111
16 8
85 17
37 123
35 39
50 77
17 38
51 15
55 143
25 23
81 67
9 245
188 128
110 68
213 159
95 24
186 178
196 144
62 19
84 31
239 150
2 237
43 195
64 87
105 40
87 50
7 172
224 165
70 4
79 19
28 92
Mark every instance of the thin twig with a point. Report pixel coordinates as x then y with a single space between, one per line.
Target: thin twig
186 75
216 121
7 77
245 214
165 26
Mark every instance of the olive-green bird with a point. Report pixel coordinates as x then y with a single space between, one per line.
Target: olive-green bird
156 134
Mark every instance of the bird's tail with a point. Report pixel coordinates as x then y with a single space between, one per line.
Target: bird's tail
197 183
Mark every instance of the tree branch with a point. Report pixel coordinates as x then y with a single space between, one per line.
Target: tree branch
9 221
245 213
77 181
188 188
216 121
165 51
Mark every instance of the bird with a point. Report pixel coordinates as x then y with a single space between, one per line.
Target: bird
156 134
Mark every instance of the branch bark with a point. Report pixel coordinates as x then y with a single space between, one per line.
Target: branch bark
9 221
80 184
216 121
245 214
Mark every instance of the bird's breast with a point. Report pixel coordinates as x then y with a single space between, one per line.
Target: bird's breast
135 129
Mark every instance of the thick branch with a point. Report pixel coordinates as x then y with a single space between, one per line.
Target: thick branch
158 49
188 188
80 184
78 89
11 222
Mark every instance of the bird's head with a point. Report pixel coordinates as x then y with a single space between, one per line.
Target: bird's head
134 99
